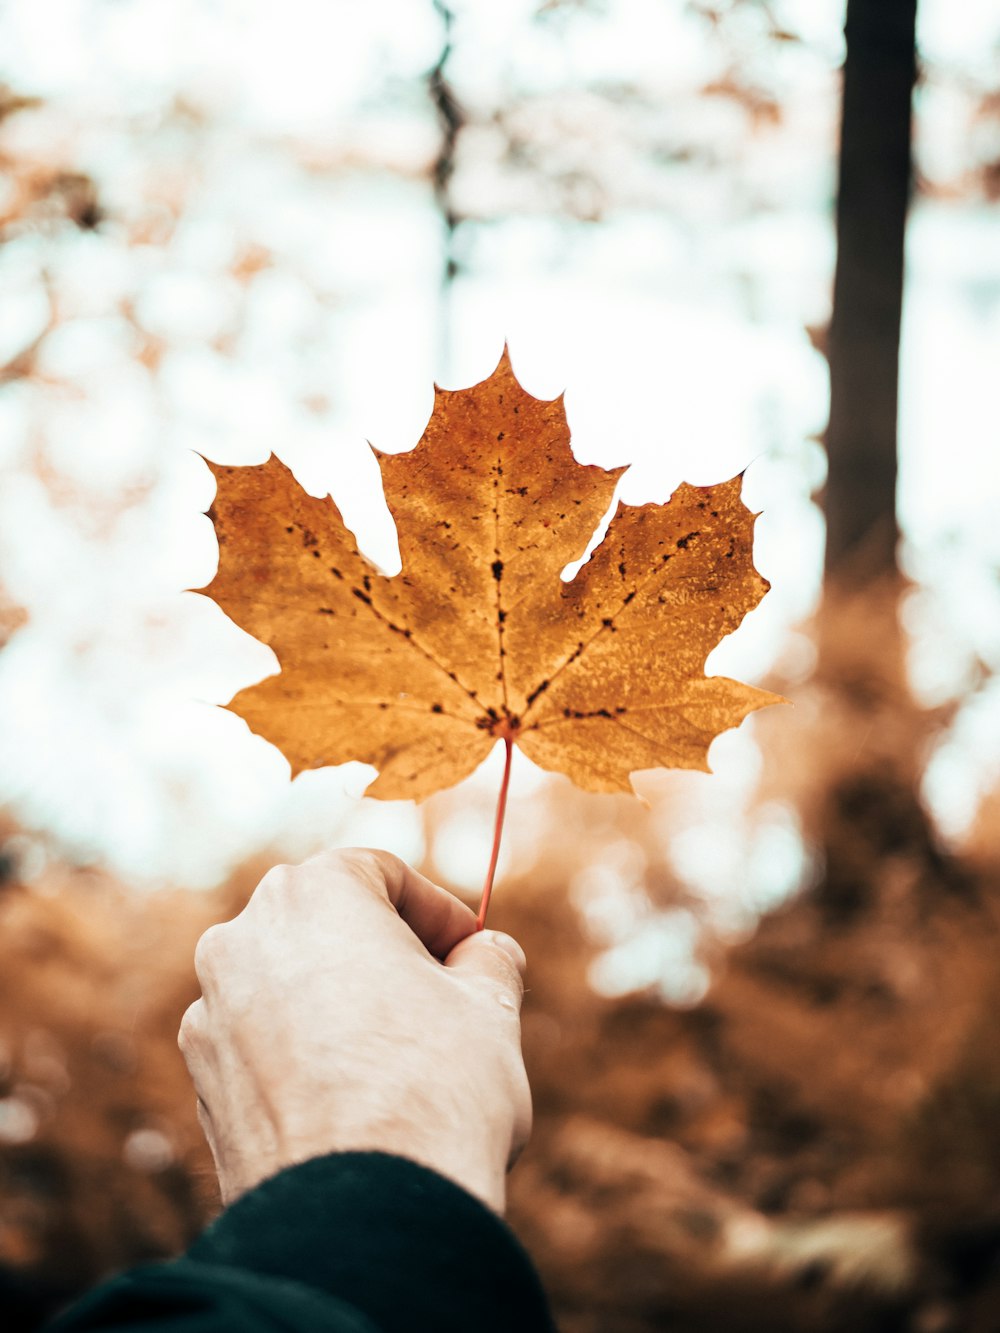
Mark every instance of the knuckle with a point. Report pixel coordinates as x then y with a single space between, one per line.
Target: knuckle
386 863
365 864
359 860
190 1032
207 953
509 946
275 881
509 982
272 892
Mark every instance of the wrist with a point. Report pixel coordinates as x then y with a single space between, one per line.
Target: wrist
461 1152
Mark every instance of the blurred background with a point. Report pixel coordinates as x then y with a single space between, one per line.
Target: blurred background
762 1025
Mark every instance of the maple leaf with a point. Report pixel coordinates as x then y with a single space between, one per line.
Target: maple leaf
478 638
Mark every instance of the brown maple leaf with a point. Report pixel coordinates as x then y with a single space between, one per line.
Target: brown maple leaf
478 638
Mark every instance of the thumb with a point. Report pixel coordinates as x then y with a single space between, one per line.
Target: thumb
489 956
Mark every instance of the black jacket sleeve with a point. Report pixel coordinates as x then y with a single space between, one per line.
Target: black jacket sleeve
348 1243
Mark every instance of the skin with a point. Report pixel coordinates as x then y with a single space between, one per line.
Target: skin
352 1006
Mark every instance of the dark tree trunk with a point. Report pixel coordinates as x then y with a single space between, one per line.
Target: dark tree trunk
871 825
874 190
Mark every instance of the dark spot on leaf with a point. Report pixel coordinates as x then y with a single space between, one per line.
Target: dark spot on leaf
499 436
367 582
316 555
335 572
501 616
436 708
497 568
289 529
539 689
362 596
327 611
607 623
682 542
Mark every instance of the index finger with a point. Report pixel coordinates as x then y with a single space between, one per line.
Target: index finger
437 918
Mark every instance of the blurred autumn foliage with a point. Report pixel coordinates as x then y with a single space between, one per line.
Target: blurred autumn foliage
812 1146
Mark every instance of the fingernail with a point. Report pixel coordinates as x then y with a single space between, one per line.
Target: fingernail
510 947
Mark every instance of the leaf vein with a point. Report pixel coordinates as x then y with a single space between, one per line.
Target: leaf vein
609 622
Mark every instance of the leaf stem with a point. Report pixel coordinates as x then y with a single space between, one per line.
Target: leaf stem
497 834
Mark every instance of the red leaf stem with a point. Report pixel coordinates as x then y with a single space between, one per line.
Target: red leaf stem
497 834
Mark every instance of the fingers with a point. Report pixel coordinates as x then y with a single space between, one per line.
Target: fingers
436 917
495 959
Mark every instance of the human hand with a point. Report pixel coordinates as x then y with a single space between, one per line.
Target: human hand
351 1006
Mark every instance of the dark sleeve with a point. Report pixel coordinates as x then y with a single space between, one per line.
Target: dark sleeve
348 1243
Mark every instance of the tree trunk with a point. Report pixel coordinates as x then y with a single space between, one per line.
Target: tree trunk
871 826
873 195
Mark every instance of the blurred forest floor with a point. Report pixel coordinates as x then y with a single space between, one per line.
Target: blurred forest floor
813 1146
